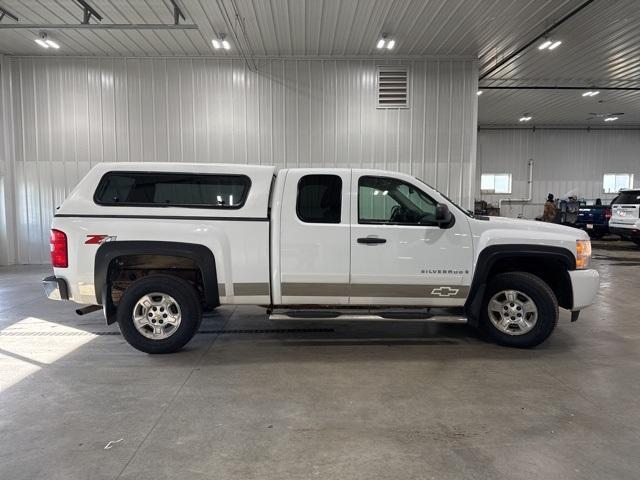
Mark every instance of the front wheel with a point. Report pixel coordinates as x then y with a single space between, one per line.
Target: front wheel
159 313
519 310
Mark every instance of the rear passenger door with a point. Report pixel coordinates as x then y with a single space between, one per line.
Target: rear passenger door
315 237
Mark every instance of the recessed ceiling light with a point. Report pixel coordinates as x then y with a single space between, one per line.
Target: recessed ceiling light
549 44
45 42
525 118
590 93
479 92
385 42
544 45
610 119
221 42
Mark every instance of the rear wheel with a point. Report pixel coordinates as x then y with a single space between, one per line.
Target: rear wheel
159 313
520 310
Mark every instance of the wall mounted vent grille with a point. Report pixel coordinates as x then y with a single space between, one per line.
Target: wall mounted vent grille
392 86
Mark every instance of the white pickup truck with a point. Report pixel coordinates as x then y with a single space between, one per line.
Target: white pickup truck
153 244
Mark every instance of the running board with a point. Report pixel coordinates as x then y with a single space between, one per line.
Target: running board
368 317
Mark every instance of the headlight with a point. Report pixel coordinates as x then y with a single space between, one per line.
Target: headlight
583 254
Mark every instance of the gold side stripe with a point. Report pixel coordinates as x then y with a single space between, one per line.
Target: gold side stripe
373 290
250 289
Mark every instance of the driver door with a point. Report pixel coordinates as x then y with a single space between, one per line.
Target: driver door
399 254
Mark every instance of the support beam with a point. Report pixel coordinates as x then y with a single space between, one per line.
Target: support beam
177 13
5 13
88 11
538 87
99 26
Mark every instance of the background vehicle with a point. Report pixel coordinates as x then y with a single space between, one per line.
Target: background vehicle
625 216
153 244
593 218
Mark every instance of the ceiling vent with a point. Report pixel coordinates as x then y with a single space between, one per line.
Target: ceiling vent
392 86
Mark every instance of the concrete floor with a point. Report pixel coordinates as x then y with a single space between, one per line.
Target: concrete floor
365 401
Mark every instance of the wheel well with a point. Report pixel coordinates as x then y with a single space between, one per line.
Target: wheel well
120 263
552 271
125 269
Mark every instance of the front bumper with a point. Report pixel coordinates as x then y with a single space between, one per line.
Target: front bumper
585 285
55 288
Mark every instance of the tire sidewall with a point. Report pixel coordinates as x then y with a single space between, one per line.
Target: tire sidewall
540 294
184 295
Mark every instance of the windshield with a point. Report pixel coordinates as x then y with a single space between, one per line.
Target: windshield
468 213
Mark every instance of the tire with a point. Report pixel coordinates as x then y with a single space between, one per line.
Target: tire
636 241
524 332
172 301
596 235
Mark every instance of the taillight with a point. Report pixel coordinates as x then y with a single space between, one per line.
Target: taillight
607 214
59 258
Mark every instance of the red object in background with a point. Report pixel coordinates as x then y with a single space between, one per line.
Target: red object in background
607 214
59 257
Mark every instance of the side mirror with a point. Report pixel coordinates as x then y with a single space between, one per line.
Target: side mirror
443 215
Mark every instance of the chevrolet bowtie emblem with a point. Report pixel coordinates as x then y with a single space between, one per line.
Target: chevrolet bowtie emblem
445 291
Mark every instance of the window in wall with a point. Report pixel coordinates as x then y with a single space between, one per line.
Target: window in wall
390 201
319 199
172 190
495 183
614 182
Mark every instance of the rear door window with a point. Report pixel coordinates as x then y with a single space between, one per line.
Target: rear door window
628 198
172 190
319 199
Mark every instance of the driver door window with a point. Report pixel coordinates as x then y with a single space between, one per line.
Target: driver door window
383 200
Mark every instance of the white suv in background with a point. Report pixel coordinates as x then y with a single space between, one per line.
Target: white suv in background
625 215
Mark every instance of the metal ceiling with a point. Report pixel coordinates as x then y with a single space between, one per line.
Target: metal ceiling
601 43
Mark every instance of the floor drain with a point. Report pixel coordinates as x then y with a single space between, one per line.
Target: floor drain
205 332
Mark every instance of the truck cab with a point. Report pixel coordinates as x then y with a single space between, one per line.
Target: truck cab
154 244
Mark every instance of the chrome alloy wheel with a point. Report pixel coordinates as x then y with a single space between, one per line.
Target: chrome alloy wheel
512 312
157 316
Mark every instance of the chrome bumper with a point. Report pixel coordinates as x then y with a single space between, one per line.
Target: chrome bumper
55 288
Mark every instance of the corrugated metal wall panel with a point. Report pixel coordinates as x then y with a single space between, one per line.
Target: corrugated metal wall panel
564 160
71 114
7 159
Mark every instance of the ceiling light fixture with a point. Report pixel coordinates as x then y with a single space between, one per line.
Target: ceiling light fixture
610 119
525 118
385 42
45 42
221 42
544 45
549 44
479 92
590 93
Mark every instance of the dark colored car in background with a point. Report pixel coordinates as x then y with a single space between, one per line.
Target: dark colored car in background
593 217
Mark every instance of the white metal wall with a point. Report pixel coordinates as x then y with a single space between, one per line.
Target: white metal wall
71 113
564 160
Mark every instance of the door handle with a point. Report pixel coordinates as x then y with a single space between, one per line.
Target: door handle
372 240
